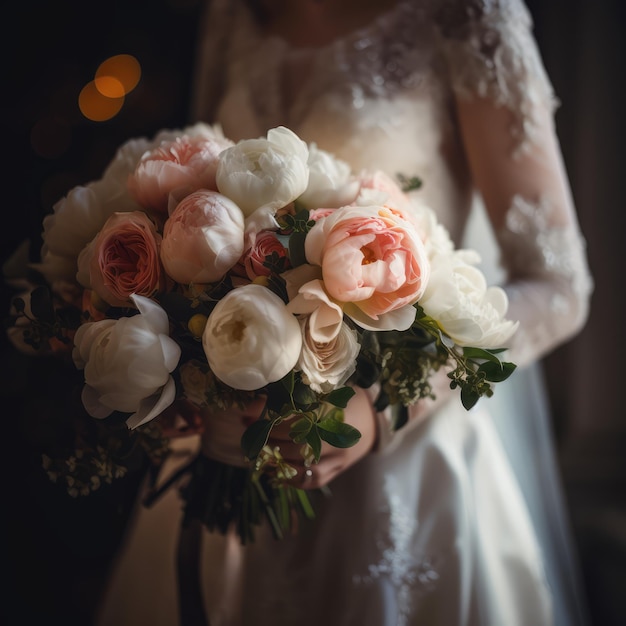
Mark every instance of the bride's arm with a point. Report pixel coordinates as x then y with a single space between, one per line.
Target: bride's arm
505 105
528 199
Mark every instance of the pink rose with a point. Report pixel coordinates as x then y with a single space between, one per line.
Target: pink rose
373 261
178 166
264 245
203 238
123 259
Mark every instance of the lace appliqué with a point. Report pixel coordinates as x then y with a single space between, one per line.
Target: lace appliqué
411 577
491 53
394 53
533 244
384 58
554 256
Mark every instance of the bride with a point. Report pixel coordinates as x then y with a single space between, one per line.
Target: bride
457 518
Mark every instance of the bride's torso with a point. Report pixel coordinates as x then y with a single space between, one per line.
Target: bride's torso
376 96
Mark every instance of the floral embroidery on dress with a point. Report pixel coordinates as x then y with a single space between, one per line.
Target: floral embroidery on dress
411 577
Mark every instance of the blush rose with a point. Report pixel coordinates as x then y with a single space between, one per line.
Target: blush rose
123 259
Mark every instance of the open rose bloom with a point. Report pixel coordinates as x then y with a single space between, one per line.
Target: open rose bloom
213 272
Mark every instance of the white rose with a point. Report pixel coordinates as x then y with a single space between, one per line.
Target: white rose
251 339
263 175
328 365
127 364
331 183
458 298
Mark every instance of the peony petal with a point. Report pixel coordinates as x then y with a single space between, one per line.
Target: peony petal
399 319
153 406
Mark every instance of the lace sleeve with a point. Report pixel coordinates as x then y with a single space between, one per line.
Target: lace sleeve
505 108
491 52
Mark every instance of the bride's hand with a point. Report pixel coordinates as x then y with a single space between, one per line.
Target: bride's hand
223 430
333 461
181 419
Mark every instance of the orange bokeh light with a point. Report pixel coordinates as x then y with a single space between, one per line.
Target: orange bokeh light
110 86
124 68
97 107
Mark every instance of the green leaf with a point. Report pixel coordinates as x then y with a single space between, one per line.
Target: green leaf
303 395
340 397
41 304
469 397
297 255
314 440
497 372
338 434
255 437
478 353
300 430
288 381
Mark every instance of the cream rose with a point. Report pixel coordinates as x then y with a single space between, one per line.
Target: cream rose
127 364
251 339
264 175
324 316
123 259
373 261
328 365
203 238
466 309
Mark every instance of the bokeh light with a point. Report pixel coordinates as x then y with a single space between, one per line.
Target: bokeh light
110 87
97 107
119 72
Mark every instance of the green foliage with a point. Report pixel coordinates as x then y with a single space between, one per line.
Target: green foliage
409 183
49 318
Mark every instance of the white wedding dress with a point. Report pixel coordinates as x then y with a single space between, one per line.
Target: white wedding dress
458 519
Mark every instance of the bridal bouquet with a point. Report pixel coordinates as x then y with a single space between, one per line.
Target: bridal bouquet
201 272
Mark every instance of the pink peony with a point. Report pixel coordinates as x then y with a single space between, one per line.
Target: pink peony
372 260
203 238
178 166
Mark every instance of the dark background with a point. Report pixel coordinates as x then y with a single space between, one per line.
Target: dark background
58 550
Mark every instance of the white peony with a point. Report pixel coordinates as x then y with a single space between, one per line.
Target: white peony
127 364
264 175
458 298
331 182
251 339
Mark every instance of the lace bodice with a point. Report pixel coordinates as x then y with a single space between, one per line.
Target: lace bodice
451 91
